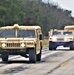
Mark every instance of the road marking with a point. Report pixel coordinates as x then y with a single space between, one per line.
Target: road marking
49 53
12 57
64 64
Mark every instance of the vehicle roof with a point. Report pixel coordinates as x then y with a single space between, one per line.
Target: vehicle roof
71 27
58 30
16 26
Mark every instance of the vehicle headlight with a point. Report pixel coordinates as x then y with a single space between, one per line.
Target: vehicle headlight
65 39
3 44
22 44
30 43
68 39
54 39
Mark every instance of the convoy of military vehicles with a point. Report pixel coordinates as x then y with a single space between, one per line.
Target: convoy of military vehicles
27 41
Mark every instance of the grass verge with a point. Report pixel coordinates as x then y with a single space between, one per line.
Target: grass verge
45 42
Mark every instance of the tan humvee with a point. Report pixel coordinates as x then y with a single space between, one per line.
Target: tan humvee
60 37
21 40
69 27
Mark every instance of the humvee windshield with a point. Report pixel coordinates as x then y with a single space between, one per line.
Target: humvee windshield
21 33
7 33
26 33
56 33
67 33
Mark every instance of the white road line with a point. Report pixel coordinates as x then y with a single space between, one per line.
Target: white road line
49 53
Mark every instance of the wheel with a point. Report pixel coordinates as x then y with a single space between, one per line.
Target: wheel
32 55
52 46
71 46
4 57
39 56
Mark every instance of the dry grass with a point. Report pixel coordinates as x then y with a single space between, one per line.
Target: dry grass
45 42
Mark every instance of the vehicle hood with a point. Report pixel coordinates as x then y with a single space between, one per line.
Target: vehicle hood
30 39
18 39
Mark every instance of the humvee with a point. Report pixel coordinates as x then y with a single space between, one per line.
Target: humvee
21 40
60 38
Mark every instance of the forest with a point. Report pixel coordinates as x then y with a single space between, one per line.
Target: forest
34 12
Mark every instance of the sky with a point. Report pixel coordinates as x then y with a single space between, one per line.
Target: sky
65 4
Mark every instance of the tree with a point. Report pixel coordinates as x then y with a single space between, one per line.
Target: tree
34 12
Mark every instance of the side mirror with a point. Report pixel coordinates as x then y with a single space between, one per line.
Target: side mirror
40 37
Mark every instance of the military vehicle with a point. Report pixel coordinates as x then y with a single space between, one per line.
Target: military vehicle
21 40
69 27
60 38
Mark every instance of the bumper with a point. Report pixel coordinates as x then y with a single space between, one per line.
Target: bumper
2 51
14 51
65 44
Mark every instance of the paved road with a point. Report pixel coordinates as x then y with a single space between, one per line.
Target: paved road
52 63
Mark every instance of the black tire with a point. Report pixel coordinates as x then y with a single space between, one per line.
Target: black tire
51 46
4 57
32 55
54 48
50 49
71 46
39 56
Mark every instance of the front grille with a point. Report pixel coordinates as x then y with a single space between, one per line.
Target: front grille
13 45
60 39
